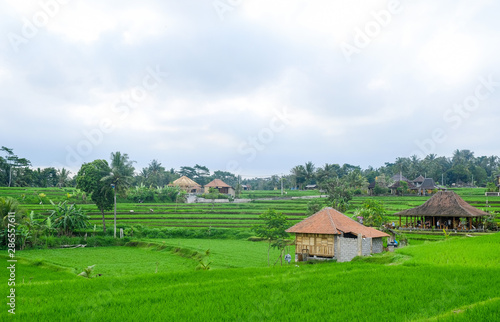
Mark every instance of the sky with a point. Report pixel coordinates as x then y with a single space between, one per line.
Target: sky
248 86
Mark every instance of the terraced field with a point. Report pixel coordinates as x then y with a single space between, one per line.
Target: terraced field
218 215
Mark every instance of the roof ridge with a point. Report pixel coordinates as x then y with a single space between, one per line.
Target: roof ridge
331 219
455 195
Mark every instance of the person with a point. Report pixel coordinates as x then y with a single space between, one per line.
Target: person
438 224
393 225
288 258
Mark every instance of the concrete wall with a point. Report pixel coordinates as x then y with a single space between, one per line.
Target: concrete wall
367 246
347 249
377 245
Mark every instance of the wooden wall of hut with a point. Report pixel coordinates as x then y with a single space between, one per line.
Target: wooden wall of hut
316 244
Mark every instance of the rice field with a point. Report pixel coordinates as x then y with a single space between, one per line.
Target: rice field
449 280
221 215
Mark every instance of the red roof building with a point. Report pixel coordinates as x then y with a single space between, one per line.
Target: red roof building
331 234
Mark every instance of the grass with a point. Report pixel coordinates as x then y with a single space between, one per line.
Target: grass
454 279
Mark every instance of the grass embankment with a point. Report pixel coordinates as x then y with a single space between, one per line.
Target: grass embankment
454 279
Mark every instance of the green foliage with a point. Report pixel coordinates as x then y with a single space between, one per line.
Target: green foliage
339 193
379 189
87 272
491 187
403 188
461 283
314 206
204 263
10 205
90 180
372 213
273 229
67 218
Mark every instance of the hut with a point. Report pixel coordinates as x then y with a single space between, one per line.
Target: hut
417 182
371 188
221 186
311 187
428 187
445 210
187 185
394 187
329 234
498 181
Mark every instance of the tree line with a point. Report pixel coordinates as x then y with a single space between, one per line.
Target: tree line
461 169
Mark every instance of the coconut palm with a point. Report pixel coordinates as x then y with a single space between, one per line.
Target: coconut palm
63 177
120 177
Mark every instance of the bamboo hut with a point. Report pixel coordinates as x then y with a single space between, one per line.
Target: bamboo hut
445 210
221 186
187 185
330 234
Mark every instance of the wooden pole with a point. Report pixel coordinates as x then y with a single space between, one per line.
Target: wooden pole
399 221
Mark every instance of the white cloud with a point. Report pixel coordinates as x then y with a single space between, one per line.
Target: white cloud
227 78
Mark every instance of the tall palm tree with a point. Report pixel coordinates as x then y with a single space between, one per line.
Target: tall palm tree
63 177
120 177
298 173
310 171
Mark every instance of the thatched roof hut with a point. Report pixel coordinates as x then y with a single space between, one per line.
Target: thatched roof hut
187 184
418 180
442 210
331 234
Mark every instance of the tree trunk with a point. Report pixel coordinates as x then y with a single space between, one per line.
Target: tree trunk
268 250
103 222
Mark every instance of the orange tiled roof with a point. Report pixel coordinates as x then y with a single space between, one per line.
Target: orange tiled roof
331 222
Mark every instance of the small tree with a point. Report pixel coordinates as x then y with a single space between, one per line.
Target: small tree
273 230
89 180
403 188
372 212
314 206
339 194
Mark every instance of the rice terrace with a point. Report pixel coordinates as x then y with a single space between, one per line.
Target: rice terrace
396 250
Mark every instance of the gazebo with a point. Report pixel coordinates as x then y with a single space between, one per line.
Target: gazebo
187 185
445 210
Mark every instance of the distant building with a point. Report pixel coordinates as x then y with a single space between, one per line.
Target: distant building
331 234
221 186
187 185
311 187
428 186
444 210
417 182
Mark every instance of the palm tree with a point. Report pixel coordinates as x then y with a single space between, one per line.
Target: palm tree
310 170
299 174
120 177
63 177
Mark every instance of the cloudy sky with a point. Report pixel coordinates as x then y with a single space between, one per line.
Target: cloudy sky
250 86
